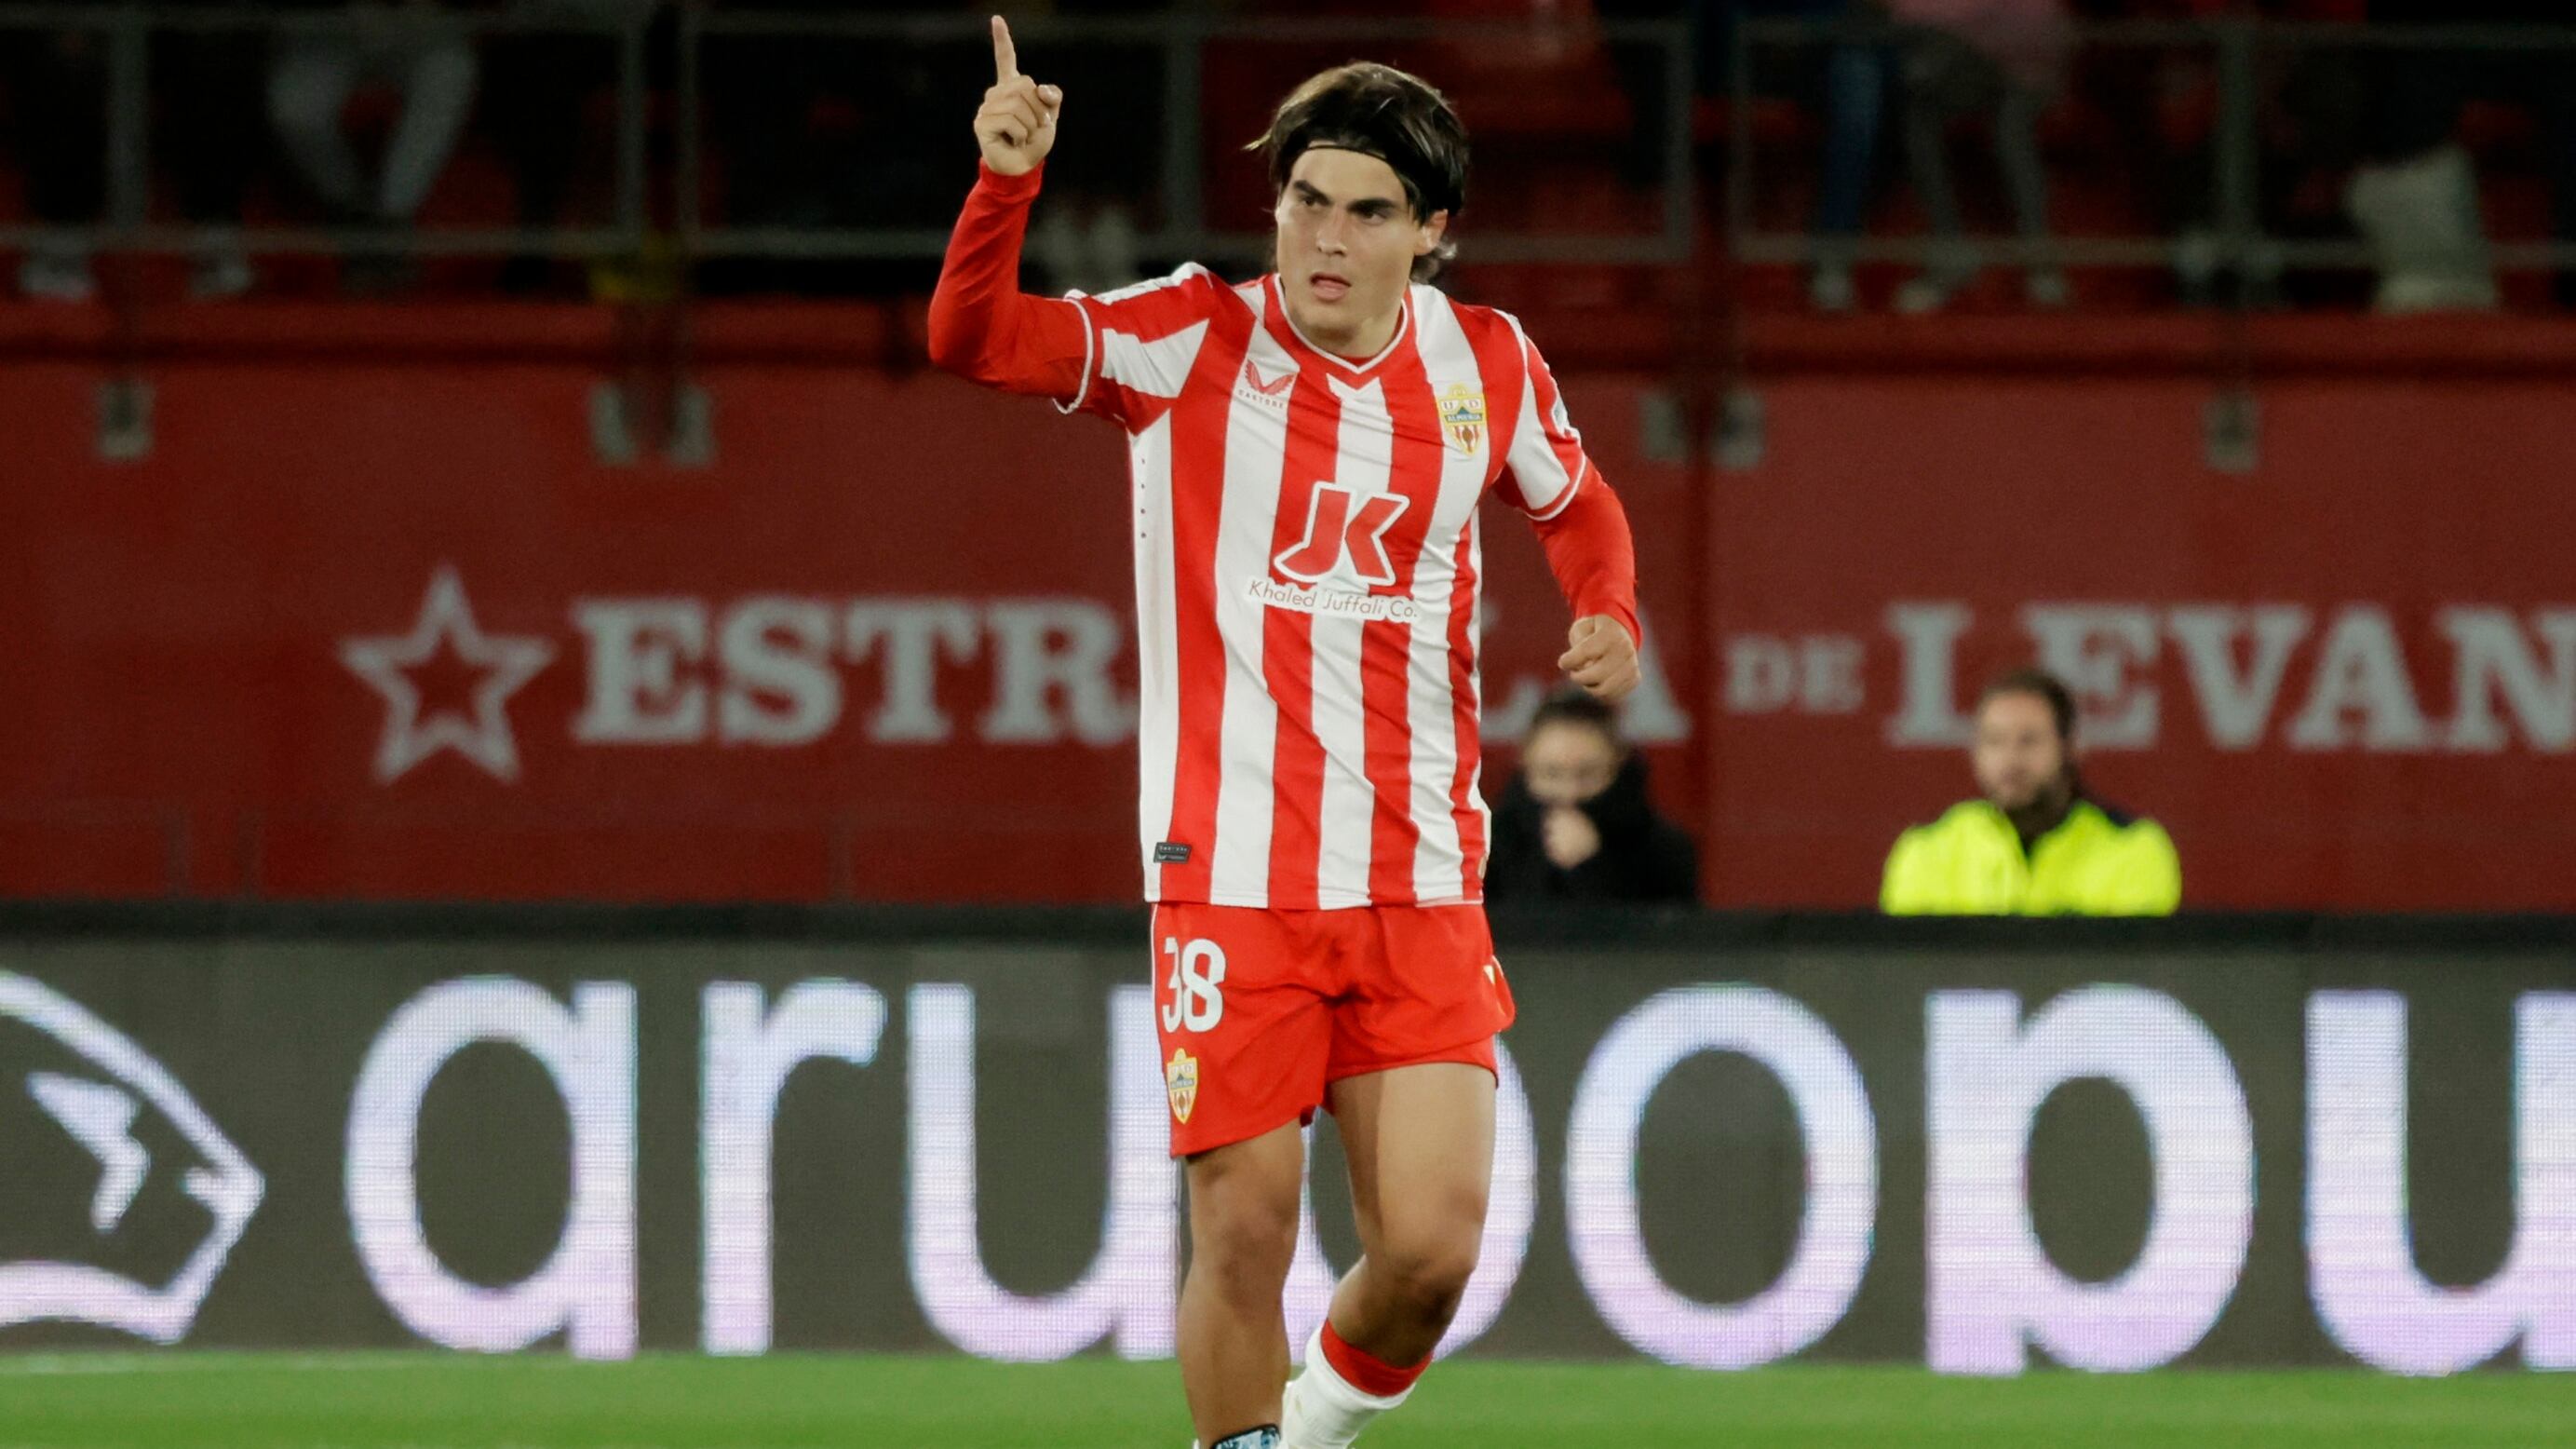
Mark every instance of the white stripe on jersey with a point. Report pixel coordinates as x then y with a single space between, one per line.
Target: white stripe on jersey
1158 367
1175 277
1364 463
1439 857
1158 648
1256 443
1545 488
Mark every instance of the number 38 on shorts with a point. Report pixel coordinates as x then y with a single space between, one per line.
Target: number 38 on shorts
1261 1010
1194 989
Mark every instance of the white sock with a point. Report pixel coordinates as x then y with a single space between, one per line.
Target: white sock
1322 1409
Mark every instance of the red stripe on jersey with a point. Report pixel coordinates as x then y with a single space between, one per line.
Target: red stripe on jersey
1198 500
1567 447
1288 659
981 326
1462 710
1386 685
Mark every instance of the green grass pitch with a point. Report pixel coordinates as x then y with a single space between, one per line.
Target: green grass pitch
426 1401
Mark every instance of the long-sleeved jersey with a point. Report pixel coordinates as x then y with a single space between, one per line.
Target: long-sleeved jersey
1307 558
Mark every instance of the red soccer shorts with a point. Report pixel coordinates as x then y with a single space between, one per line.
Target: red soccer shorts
1260 1010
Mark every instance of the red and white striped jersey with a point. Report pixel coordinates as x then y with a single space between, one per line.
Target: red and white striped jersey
1307 575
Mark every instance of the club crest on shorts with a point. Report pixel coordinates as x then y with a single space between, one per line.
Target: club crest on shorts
1462 417
1181 1083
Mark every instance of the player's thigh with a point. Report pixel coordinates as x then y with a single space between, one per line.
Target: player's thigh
1239 1004
1244 1203
1413 1064
1420 1143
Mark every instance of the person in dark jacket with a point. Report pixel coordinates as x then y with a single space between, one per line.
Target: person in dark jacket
1574 824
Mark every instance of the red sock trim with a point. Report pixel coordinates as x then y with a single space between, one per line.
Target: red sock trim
1365 1371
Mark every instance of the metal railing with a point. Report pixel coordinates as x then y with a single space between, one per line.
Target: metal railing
653 38
2239 47
127 32
1179 39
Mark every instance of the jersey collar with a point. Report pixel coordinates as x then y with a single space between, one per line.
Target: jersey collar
1284 328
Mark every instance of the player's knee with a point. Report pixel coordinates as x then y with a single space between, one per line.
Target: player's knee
1246 1249
1243 1228
1428 1274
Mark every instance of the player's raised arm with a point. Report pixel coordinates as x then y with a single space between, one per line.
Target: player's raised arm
1016 127
981 326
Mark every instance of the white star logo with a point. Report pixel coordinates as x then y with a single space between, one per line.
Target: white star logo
446 621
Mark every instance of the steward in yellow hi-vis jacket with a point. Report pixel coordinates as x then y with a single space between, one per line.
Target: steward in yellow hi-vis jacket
2034 845
1971 862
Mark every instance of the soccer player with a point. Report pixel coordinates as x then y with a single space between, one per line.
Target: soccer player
1309 449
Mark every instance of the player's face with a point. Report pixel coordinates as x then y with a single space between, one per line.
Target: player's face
1347 242
1567 764
2020 759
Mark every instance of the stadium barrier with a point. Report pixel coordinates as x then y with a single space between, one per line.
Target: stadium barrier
1724 1141
392 631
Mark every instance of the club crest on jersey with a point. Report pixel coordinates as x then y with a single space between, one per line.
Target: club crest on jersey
1181 1082
1462 417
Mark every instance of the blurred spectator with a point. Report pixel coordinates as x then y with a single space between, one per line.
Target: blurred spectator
1850 85
1855 91
2005 58
1574 824
1853 83
57 85
2035 843
409 47
2415 195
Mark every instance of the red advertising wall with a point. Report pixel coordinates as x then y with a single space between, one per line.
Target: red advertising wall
393 631
2344 679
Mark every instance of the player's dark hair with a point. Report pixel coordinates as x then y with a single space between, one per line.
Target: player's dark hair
1571 706
1378 111
2041 685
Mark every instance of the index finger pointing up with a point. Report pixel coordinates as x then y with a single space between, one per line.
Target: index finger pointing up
1006 59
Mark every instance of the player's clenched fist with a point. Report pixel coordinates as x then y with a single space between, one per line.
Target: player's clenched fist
1016 127
1602 658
